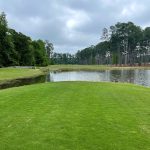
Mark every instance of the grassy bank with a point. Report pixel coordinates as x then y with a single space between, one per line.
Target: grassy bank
90 67
16 73
7 74
75 116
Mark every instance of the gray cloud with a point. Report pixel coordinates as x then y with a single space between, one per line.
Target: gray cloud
72 24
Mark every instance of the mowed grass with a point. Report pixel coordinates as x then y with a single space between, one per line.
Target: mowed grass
92 67
15 73
75 116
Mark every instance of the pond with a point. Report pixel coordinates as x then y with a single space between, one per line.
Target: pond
140 77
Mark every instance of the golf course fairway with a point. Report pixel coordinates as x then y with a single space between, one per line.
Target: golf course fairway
75 116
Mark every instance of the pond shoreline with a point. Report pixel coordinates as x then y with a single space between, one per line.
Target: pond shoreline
38 75
93 67
19 78
22 81
136 76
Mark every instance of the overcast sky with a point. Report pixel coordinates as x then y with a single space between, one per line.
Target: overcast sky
72 25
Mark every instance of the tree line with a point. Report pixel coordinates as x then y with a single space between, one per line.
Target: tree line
64 58
121 44
17 49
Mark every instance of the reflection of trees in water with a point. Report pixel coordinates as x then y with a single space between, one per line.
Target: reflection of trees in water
115 75
141 77
147 77
107 75
129 76
49 77
123 75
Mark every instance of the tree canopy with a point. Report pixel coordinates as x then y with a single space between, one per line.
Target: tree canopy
121 44
19 49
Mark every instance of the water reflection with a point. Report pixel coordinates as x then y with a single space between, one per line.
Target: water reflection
141 77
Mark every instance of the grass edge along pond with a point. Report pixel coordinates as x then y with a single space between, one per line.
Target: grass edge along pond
92 67
75 116
8 74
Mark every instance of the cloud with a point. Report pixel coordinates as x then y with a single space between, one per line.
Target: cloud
72 24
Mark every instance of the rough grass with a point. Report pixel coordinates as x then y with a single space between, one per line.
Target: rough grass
90 67
15 73
75 116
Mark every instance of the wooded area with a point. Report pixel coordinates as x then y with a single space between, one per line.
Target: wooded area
121 44
17 49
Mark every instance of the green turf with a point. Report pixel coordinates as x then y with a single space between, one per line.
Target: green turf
92 67
75 116
15 73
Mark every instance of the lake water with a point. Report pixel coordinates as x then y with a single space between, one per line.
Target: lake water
140 77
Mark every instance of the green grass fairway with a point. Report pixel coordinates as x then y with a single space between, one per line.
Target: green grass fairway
75 116
15 73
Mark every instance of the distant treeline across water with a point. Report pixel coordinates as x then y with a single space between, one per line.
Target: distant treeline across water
122 44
